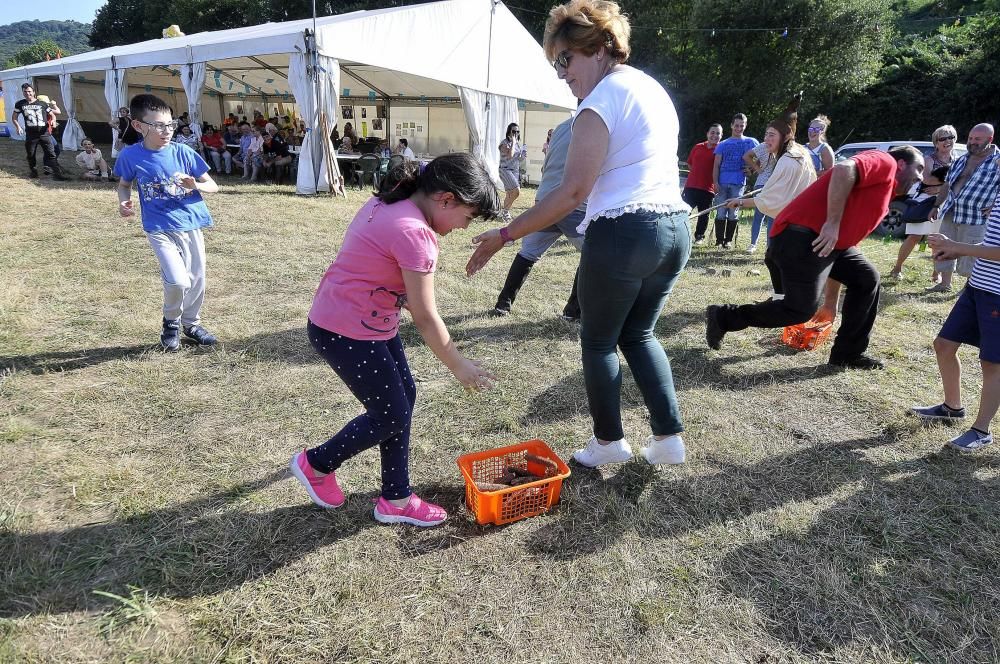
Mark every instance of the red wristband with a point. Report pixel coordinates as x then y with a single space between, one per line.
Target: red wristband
505 236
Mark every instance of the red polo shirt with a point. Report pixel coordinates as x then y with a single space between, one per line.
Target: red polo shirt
866 204
701 161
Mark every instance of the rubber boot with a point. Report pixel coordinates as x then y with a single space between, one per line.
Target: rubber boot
720 231
572 309
518 272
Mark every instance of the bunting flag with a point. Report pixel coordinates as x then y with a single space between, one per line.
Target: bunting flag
148 88
270 80
371 95
346 93
230 85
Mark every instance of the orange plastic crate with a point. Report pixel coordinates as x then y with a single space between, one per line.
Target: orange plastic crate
808 335
517 502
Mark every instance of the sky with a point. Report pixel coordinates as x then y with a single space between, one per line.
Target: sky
49 10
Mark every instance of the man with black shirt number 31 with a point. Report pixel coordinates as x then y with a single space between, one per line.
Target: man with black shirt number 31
36 114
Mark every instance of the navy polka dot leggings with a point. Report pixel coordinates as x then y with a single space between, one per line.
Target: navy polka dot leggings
377 374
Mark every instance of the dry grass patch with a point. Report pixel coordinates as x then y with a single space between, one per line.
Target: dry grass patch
814 520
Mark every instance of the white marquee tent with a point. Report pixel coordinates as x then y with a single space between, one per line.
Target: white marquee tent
472 54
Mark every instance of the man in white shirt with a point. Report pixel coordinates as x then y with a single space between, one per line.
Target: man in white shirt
403 148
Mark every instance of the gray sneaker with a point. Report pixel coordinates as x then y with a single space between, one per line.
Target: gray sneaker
971 440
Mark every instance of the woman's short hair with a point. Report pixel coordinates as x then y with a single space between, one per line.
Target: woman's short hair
944 130
586 26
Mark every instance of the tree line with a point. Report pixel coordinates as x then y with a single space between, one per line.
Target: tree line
880 69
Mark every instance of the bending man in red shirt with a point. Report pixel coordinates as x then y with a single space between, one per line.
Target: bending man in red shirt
816 237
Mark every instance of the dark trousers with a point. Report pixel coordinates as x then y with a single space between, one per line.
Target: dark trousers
32 141
701 200
800 275
376 372
628 267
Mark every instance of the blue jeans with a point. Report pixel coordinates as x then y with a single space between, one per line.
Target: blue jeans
627 269
759 217
726 219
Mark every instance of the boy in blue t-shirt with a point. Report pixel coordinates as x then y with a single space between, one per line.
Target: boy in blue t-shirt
730 178
170 178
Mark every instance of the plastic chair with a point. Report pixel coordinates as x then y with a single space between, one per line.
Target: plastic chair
367 167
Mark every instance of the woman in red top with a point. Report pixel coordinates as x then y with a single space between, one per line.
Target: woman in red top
699 192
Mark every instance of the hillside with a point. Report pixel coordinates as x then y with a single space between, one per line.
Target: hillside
70 35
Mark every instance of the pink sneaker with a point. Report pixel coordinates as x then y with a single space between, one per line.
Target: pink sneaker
417 512
323 490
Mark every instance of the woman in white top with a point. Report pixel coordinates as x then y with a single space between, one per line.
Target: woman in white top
623 162
793 167
511 152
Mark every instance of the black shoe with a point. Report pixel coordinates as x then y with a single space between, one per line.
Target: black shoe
713 328
500 311
46 170
33 174
858 362
200 335
170 338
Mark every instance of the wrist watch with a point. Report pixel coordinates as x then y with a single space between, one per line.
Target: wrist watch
505 236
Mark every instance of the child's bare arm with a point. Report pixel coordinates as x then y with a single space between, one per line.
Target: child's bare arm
125 208
420 297
946 249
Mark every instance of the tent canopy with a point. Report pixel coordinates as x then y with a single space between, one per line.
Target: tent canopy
475 51
417 51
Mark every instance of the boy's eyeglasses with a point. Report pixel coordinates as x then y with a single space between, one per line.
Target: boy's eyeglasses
162 128
562 60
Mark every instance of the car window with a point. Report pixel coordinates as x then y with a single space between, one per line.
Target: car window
847 153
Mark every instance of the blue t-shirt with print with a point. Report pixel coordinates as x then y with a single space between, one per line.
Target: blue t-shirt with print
731 167
166 205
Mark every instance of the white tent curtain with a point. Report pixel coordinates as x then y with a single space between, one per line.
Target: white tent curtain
329 87
73 132
312 176
488 126
116 94
12 95
311 152
193 80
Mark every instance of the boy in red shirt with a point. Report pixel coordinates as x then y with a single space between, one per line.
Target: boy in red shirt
699 190
816 237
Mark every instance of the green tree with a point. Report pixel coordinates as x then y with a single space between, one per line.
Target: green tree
37 52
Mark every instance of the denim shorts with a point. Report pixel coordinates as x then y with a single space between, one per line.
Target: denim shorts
975 320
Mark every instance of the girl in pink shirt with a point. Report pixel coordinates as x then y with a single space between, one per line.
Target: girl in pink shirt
386 263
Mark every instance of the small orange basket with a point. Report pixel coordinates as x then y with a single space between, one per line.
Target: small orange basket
516 502
808 335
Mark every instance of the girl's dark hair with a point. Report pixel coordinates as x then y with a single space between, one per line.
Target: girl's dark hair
460 174
142 104
510 128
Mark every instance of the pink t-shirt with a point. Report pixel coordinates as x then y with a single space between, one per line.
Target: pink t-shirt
362 292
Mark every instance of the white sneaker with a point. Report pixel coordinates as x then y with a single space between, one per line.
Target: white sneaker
752 249
595 454
670 450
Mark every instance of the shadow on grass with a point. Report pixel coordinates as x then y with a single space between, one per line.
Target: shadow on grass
905 564
194 549
74 359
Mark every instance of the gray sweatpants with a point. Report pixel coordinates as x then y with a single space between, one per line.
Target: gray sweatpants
967 233
181 255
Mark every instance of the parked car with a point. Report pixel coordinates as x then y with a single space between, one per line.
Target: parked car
892 224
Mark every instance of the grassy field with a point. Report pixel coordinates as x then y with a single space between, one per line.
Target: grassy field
146 514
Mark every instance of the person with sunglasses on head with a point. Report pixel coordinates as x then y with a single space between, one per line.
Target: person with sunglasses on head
964 202
936 167
511 153
622 161
819 149
170 178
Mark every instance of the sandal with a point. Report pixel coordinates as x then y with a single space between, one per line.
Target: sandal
416 513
